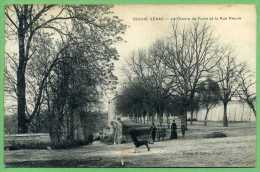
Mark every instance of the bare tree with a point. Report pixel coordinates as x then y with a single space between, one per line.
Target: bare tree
227 76
192 54
37 71
247 87
175 66
148 68
24 20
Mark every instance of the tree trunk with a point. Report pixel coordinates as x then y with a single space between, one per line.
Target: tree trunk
161 119
67 127
190 105
72 128
153 118
206 117
186 121
168 121
225 119
191 117
55 131
21 85
183 120
251 105
254 111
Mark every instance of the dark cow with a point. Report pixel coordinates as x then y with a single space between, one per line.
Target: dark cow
133 134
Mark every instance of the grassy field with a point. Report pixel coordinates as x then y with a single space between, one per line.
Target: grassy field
236 150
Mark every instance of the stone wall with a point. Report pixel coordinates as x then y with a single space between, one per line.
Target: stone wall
26 139
87 124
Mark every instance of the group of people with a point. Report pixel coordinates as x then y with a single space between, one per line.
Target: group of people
173 135
153 132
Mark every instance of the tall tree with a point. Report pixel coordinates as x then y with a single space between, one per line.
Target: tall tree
26 21
192 53
176 65
84 72
247 87
227 76
148 68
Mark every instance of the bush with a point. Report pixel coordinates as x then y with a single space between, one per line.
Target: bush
215 135
63 145
17 146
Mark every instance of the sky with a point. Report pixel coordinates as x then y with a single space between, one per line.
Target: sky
233 25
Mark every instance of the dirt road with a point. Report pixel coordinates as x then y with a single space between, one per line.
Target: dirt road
236 150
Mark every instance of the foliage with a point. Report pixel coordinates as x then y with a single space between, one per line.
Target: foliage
67 54
209 95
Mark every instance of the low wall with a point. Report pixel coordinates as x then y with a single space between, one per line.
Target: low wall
26 140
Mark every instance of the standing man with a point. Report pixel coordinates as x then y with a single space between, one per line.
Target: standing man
174 130
153 131
115 132
183 130
119 131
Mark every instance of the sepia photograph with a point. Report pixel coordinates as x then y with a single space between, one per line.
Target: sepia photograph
140 85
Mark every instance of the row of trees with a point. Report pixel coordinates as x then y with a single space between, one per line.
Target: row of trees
178 74
65 60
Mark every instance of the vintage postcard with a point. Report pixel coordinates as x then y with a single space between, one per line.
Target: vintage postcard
130 85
